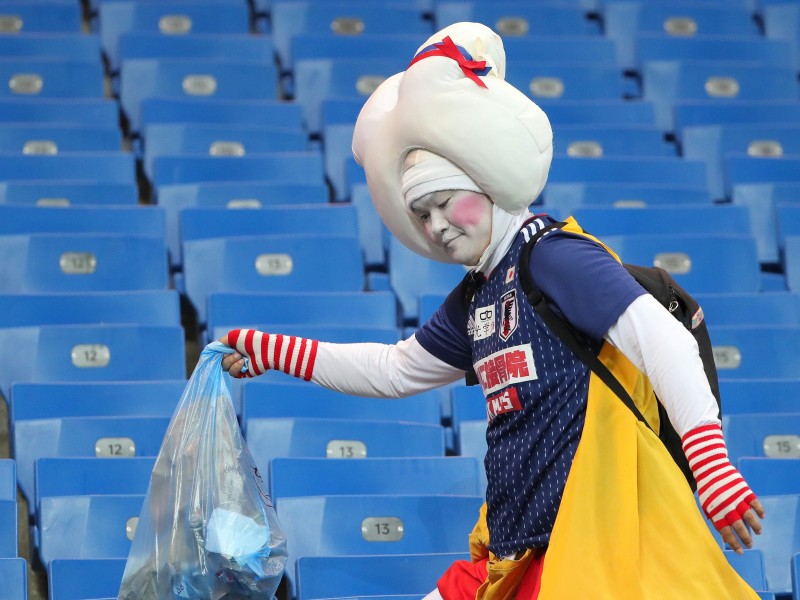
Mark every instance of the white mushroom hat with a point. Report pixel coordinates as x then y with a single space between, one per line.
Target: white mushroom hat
452 101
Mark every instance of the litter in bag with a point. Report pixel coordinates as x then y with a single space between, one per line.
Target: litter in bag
207 529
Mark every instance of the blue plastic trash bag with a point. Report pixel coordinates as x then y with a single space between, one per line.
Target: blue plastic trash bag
207 530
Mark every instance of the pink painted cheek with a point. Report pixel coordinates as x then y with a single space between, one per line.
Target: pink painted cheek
469 210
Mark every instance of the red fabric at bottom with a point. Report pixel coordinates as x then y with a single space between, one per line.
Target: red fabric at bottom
463 578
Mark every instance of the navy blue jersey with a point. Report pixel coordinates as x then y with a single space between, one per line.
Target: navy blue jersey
535 388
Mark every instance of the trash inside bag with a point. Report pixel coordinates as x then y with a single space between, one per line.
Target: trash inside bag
207 530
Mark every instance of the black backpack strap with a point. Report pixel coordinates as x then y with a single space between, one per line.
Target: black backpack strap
564 330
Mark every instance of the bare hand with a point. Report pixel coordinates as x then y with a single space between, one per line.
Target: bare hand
232 363
737 534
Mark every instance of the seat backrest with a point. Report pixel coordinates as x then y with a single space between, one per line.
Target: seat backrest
756 351
720 112
416 475
114 167
258 113
762 200
285 166
68 193
79 111
755 308
664 220
14 575
78 579
215 46
762 435
791 262
56 139
750 566
48 16
742 168
76 45
512 18
43 78
647 170
8 479
569 196
612 140
138 220
780 541
549 81
764 395
770 476
368 525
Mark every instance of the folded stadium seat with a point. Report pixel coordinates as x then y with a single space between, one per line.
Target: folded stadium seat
388 576
468 404
8 479
471 441
755 308
90 353
663 220
743 168
337 526
782 22
101 437
198 78
218 140
780 541
411 275
687 113
788 219
210 46
278 166
87 526
750 566
547 81
337 140
640 170
78 579
698 262
623 21
598 112
372 231
271 263
256 113
237 194
185 18
765 395
762 200
112 167
348 18
42 16
316 79
567 197
31 138
340 111
77 46
713 143
611 140
47 78
98 112
14 575
81 262
146 307
428 305
389 476
770 476
68 192
264 400
791 262
763 435
354 309
511 18
756 351
666 82
575 50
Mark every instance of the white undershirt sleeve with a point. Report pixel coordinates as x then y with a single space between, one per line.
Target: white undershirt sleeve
381 370
659 346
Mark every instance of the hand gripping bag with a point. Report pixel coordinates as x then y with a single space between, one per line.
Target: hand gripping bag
207 529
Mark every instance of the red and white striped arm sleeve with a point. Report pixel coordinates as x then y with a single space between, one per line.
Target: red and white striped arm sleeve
723 492
287 353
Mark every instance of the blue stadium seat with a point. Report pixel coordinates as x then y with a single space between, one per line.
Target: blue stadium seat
468 404
687 113
782 22
87 526
338 141
375 525
9 535
623 21
397 47
14 575
337 110
282 166
79 46
207 223
762 200
218 140
210 46
663 220
381 575
238 194
78 579
33 138
62 193
418 475
773 435
98 112
599 112
765 395
788 219
741 168
569 196
770 476
117 18
646 170
511 18
278 263
712 143
796 576
700 263
117 167
611 140
47 78
411 275
257 113
81 262
54 16
355 309
791 262
550 81
261 400
8 479
780 540
197 78
102 437
756 308
372 232
148 307
288 19
577 50
756 351
90 353
750 566
471 441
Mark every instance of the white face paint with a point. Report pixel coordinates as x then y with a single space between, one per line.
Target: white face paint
459 221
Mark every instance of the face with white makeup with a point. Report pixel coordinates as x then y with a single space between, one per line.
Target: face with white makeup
459 221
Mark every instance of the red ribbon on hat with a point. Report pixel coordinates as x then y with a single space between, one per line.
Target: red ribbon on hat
448 48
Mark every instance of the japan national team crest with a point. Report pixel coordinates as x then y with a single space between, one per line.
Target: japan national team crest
508 314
